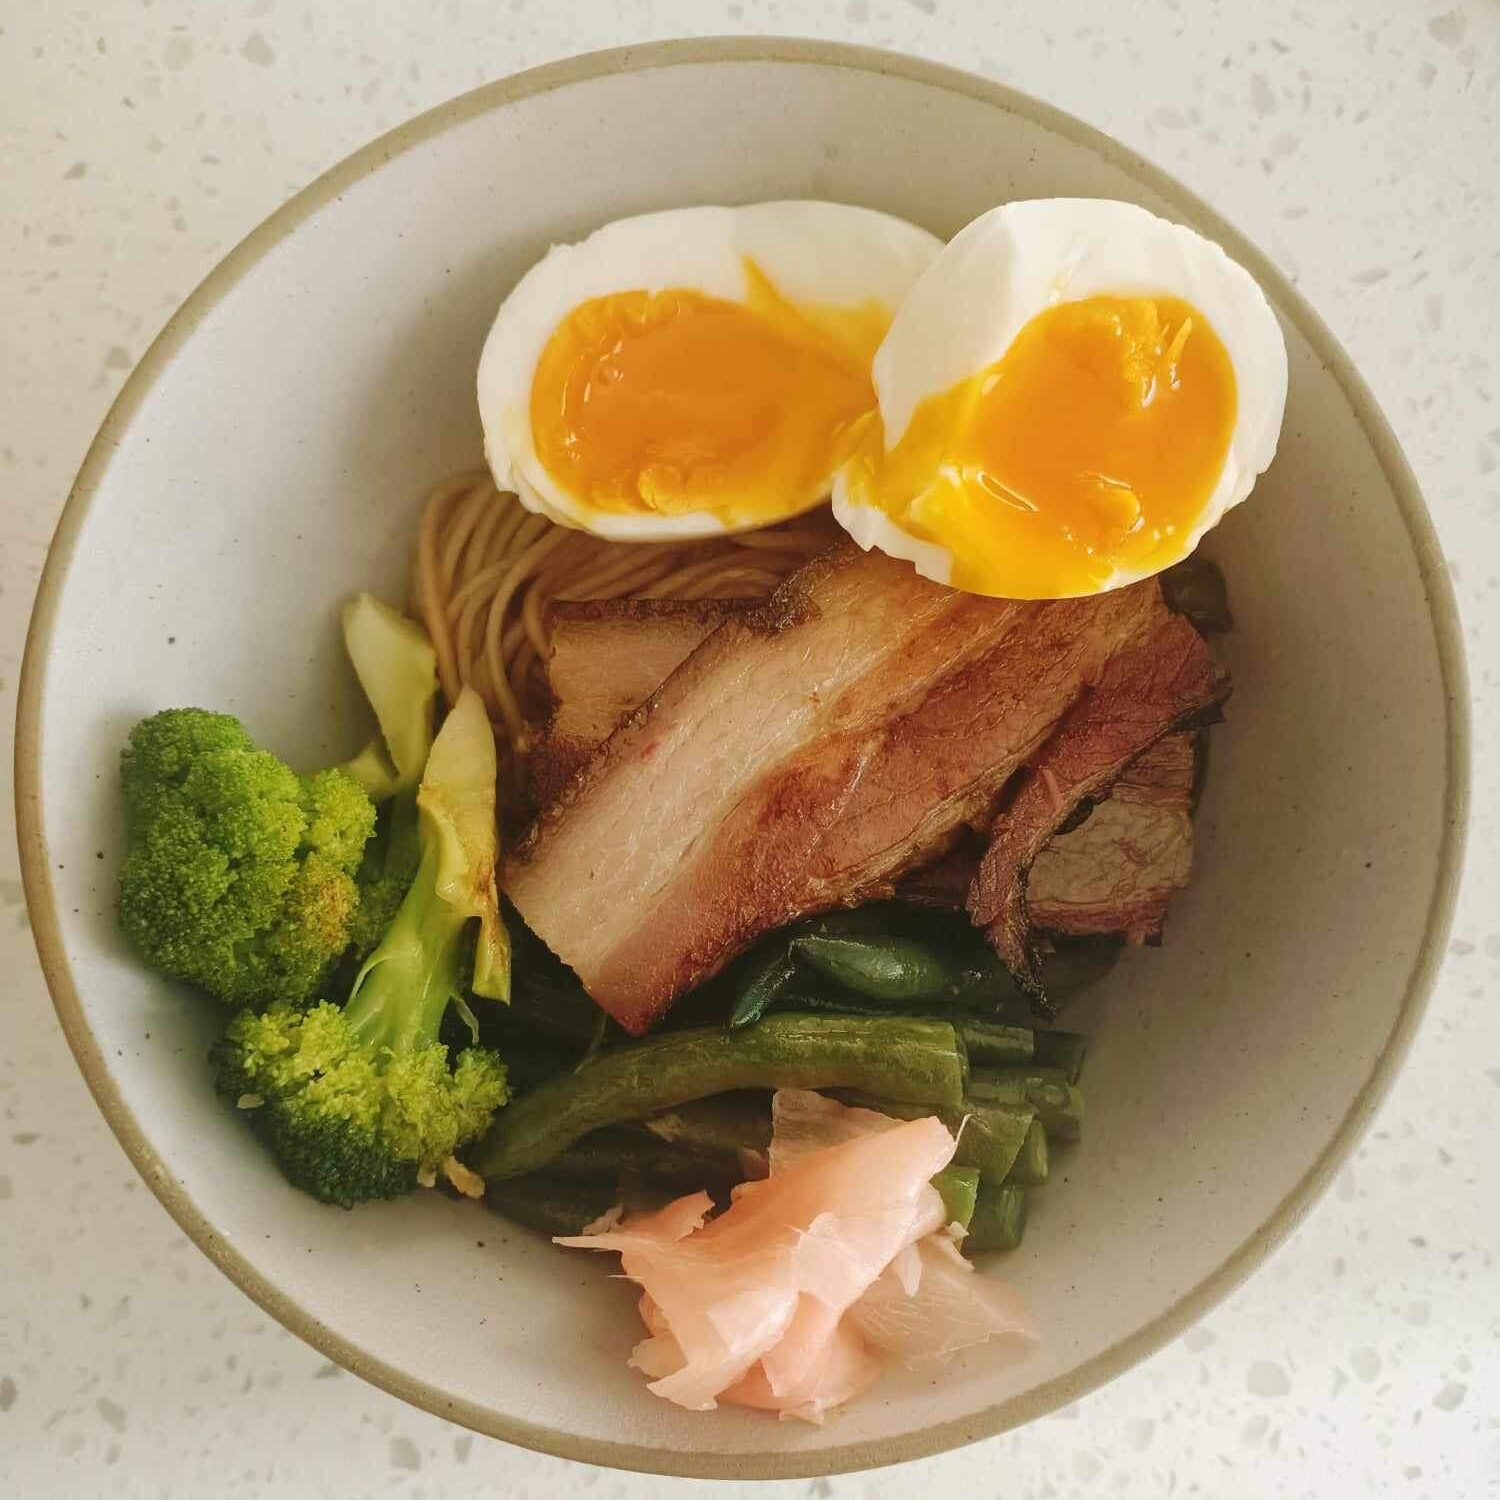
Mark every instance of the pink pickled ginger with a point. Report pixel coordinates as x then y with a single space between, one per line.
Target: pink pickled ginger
792 1298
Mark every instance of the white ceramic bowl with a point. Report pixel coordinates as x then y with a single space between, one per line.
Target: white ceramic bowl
267 457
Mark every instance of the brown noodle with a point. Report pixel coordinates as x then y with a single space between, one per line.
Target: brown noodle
486 569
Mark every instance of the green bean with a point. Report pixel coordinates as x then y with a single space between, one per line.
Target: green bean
546 996
993 1044
1058 1049
882 968
957 1186
898 1057
530 1063
723 1123
1058 1103
809 993
1031 1163
999 1218
761 985
806 994
990 1135
695 1156
952 969
618 1152
549 1206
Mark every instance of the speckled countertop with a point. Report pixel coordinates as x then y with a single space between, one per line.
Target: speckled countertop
1356 140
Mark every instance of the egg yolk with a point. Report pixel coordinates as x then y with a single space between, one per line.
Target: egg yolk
674 401
1091 446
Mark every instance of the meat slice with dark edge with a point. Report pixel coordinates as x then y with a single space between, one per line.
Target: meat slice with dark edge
607 657
1159 683
1114 875
803 757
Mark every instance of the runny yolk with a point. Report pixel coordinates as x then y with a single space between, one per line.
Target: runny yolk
674 401
1091 446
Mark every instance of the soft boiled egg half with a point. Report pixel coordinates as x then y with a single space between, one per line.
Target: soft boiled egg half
696 371
1070 396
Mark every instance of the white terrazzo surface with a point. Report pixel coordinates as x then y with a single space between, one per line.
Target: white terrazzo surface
1356 140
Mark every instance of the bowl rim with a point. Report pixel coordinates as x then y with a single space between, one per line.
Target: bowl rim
843 1458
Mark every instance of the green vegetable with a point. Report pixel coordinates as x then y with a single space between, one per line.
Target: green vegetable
397 668
238 874
722 1124
1060 1049
867 961
992 1044
550 1206
957 1186
548 1004
1058 1103
990 1135
355 1104
529 1062
999 1218
888 968
1031 1163
807 994
923 960
763 982
361 1103
619 1151
386 872
461 850
901 1058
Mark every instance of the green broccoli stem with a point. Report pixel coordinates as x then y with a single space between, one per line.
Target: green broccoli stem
403 832
405 986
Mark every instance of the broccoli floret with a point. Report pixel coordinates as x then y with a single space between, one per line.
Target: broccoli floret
362 1103
238 873
352 1113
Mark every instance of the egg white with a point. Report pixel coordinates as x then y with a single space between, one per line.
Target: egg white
1014 262
812 252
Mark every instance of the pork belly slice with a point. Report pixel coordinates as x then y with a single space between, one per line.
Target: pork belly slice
1114 875
607 657
805 755
1160 683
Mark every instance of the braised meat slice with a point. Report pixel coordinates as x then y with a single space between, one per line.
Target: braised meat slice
1159 683
801 758
607 657
1111 875
1115 873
